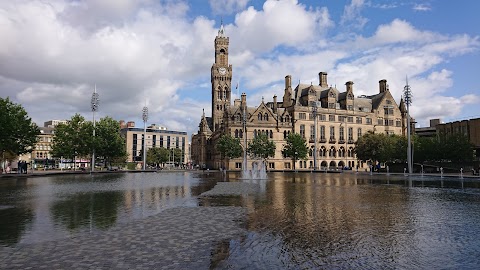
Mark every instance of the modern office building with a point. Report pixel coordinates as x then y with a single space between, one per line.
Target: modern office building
341 119
157 136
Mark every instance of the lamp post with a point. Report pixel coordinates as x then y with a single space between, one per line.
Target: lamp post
145 118
315 107
408 100
94 104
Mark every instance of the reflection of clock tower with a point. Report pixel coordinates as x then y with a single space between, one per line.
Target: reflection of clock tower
221 78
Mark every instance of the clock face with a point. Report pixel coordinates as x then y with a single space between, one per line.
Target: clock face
222 70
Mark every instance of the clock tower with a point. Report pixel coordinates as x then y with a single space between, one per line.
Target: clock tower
221 78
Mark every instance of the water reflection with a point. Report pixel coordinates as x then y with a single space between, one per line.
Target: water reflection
341 221
95 209
297 220
45 208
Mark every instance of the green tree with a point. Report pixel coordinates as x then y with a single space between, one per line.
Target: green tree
18 134
157 155
295 148
73 139
456 148
370 147
261 147
175 155
108 142
229 147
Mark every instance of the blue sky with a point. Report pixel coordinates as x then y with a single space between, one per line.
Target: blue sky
159 53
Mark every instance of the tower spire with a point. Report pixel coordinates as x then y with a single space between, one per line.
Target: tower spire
221 31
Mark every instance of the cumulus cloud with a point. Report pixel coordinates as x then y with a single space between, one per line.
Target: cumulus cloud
279 23
53 52
227 6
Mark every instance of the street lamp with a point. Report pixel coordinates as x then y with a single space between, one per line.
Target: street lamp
145 118
408 100
315 107
94 104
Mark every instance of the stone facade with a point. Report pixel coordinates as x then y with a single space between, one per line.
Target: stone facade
341 119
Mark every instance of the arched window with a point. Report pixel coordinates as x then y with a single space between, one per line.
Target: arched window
255 133
236 133
265 117
332 152
241 133
260 116
284 134
323 151
271 134
287 118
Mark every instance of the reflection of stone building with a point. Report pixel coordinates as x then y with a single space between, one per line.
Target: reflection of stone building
342 118
157 136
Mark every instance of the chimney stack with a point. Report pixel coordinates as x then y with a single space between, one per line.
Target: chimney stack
323 79
288 82
275 103
349 85
244 100
383 85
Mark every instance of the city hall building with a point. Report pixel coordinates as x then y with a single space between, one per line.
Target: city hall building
341 119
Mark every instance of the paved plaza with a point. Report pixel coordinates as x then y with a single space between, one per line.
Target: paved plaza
177 238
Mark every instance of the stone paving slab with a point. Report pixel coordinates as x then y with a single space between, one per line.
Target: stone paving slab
232 188
177 238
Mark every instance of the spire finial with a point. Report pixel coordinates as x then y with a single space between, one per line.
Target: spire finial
221 31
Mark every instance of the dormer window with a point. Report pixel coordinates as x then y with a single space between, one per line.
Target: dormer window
332 94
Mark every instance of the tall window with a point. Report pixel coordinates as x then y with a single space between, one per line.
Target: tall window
322 132
359 133
265 117
312 132
332 133
302 131
260 116
341 134
350 134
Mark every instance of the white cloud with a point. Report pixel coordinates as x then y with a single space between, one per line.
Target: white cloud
227 6
421 7
53 53
351 15
279 23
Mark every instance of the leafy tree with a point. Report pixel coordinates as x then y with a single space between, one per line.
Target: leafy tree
456 148
108 142
18 134
261 147
229 147
295 148
157 155
73 139
176 154
370 147
452 148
